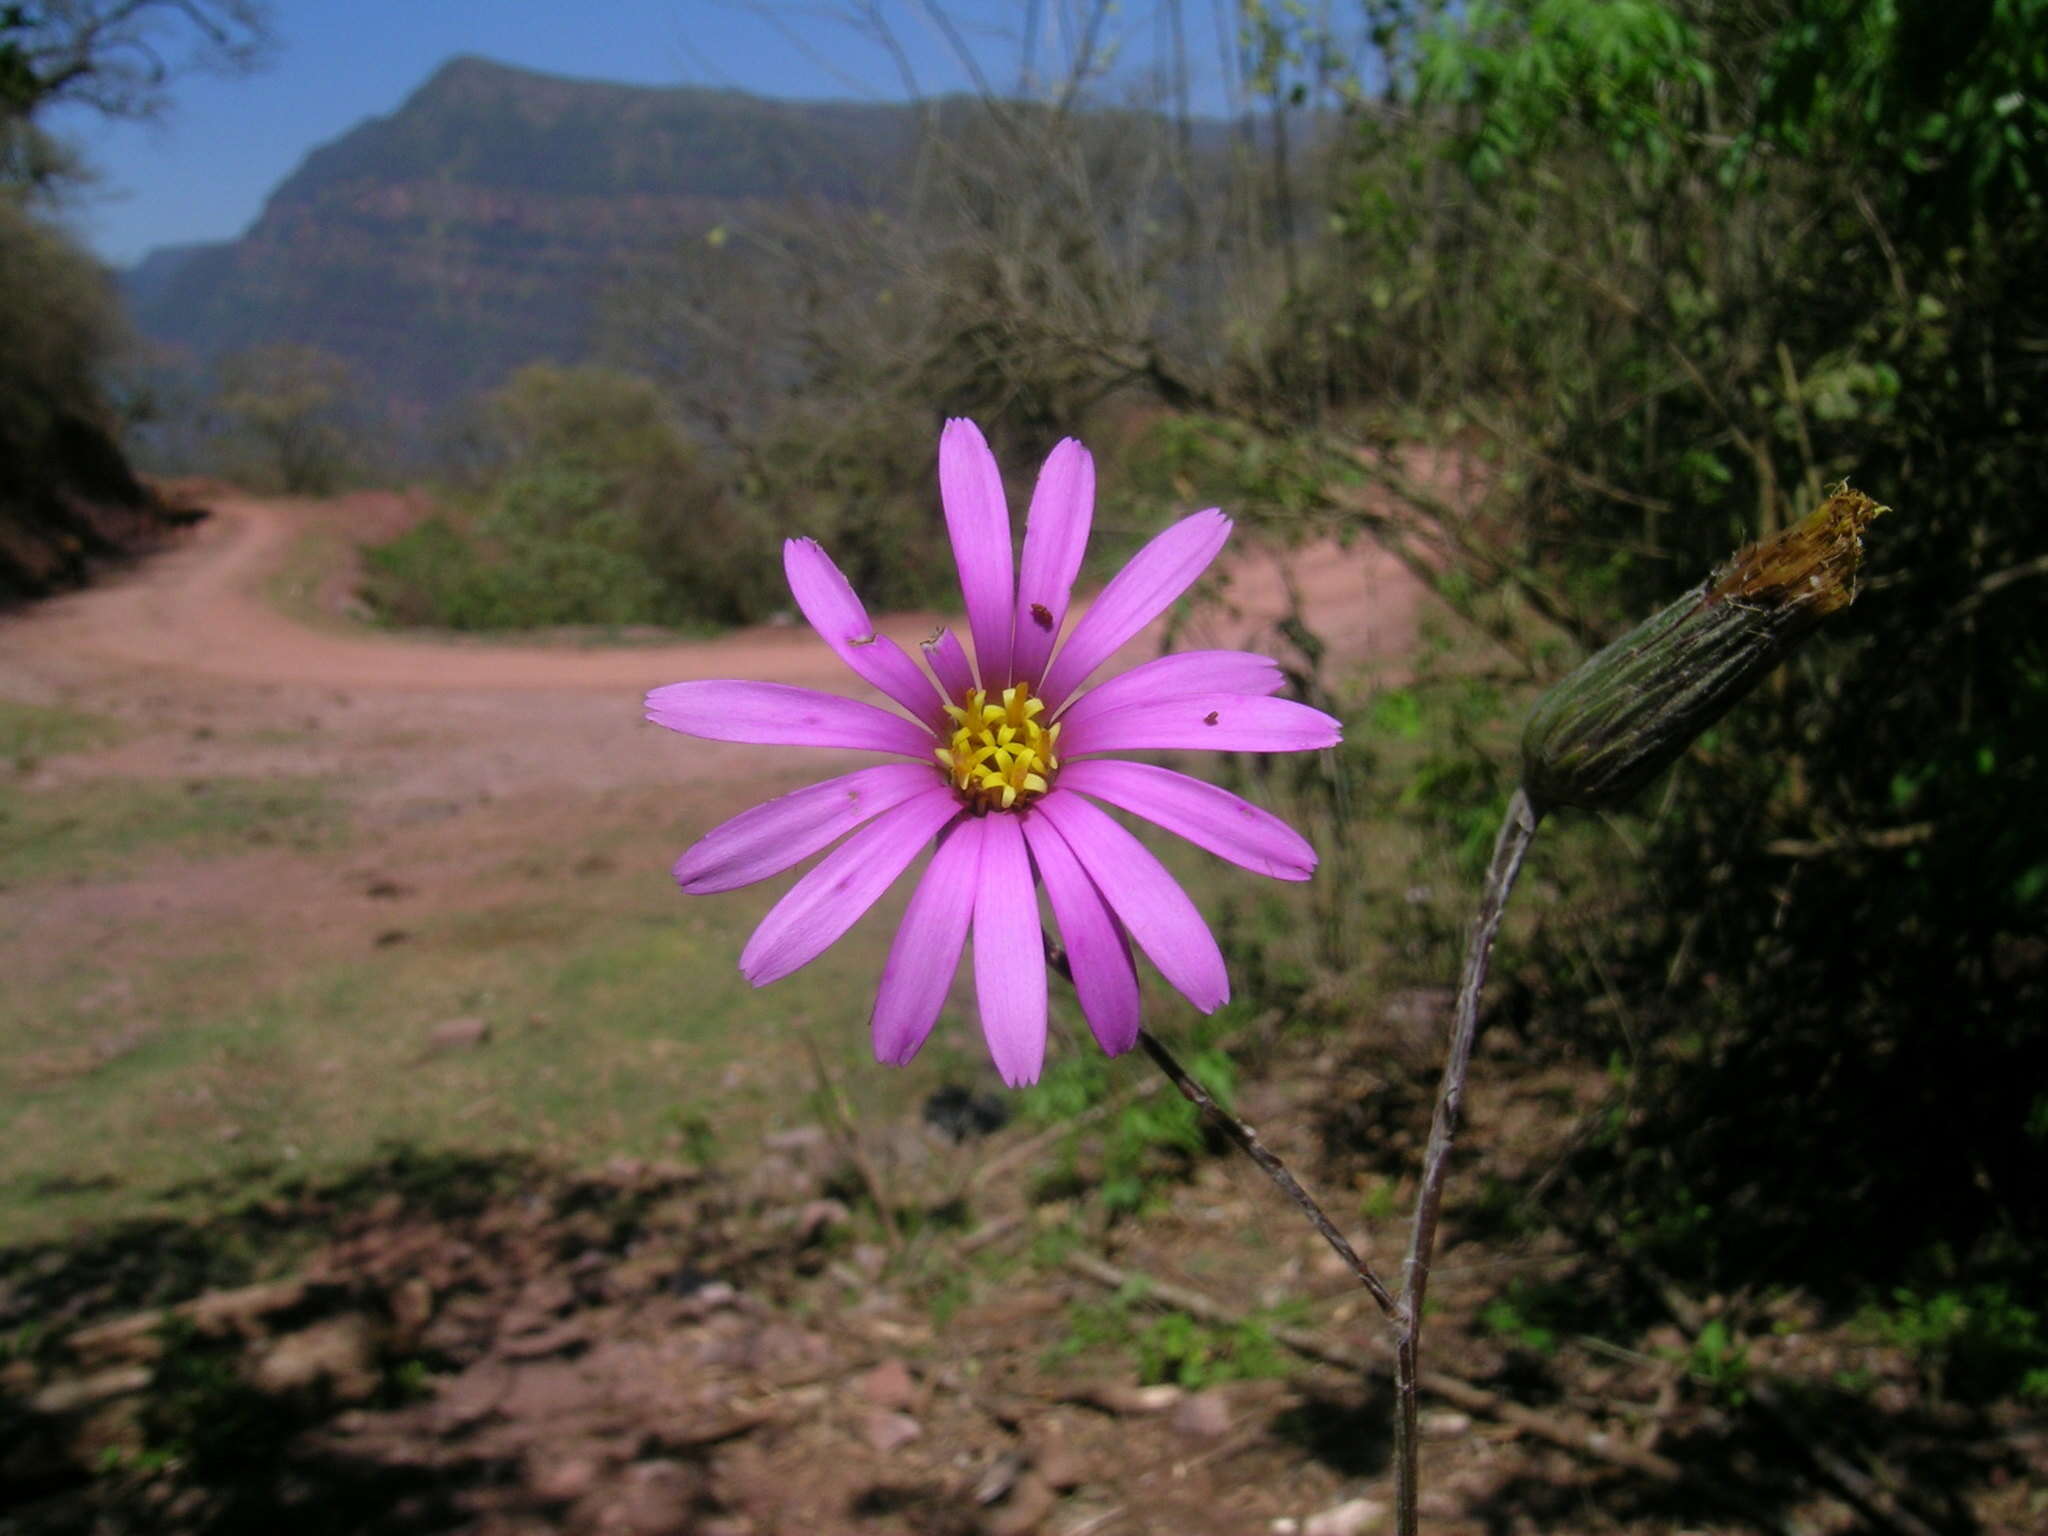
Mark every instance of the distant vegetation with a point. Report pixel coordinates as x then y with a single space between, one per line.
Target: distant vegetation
583 504
67 496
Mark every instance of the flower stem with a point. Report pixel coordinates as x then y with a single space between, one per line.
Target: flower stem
1517 830
1247 1141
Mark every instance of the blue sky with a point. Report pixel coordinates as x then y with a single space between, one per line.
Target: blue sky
203 172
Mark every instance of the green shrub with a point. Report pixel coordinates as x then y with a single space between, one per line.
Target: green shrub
1972 1341
1665 271
589 507
1172 1347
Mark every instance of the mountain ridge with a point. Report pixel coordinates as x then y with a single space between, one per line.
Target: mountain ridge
439 247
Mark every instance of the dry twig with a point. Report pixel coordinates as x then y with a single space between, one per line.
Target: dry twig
1454 1390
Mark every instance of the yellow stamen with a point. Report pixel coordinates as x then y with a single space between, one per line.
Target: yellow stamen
999 756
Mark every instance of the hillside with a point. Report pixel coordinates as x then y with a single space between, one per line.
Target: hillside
474 229
68 501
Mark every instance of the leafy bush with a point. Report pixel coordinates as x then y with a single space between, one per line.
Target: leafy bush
1973 1340
587 506
288 418
1669 268
62 325
552 550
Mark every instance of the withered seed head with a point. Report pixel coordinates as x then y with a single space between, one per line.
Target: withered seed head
1812 564
1624 715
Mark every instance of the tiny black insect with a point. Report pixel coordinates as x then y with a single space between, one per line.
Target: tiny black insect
1041 615
1209 718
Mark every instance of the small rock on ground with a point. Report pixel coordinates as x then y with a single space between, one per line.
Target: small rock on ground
461 1034
1351 1518
339 1353
887 1431
889 1385
1203 1415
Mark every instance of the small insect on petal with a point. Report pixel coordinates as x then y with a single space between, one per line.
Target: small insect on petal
1210 718
1041 615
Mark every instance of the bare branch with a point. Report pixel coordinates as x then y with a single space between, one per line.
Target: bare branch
119 56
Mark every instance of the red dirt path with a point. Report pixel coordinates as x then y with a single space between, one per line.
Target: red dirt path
187 641
198 610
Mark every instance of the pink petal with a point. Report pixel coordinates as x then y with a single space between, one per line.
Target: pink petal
1055 539
1135 596
1199 722
1009 954
828 600
943 654
1144 896
780 832
1170 677
1206 816
848 880
1097 953
775 714
978 519
926 950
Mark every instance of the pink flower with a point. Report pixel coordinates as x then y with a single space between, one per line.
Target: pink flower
1002 764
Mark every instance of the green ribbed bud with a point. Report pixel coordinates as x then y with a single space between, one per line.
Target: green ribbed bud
1626 714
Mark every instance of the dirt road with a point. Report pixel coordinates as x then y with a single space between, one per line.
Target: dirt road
198 610
191 633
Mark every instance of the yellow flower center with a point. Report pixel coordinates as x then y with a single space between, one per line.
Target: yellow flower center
1000 757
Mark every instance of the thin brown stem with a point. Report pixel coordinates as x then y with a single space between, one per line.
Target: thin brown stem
1247 1141
1516 832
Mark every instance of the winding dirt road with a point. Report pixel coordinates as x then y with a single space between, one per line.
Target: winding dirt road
198 610
188 640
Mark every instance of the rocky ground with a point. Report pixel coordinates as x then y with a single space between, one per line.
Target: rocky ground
499 1349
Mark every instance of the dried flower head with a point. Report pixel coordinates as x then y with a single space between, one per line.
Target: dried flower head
1624 716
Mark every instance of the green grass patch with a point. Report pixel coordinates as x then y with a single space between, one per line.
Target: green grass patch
195 1066
29 733
294 587
1719 1361
1972 1341
618 1025
83 830
1142 1144
1171 1347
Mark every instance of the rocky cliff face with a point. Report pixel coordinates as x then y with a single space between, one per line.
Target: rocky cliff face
475 229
